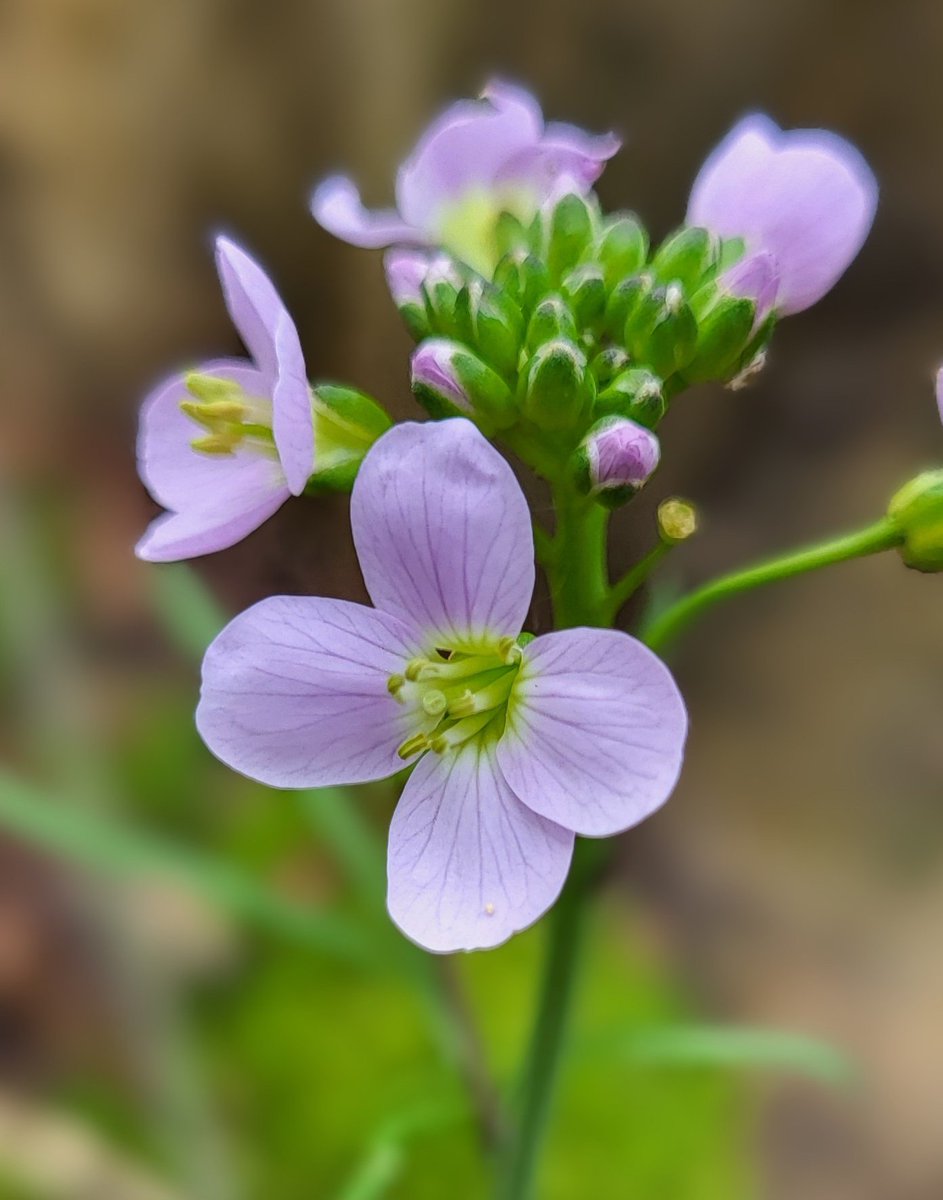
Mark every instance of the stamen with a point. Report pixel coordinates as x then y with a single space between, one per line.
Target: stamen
414 666
413 745
461 732
459 668
395 684
492 696
510 651
215 443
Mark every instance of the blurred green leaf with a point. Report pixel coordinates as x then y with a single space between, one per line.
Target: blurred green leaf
336 814
102 843
726 1047
186 608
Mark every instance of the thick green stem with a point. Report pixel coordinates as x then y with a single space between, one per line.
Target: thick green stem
579 585
664 628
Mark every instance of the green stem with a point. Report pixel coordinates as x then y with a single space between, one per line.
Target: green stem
632 580
579 585
664 628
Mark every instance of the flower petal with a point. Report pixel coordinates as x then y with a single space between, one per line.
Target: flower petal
193 532
465 148
566 159
595 731
179 477
337 207
443 533
292 416
295 692
406 271
806 196
253 303
469 865
939 391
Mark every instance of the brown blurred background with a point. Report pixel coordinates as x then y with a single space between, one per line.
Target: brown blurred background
797 876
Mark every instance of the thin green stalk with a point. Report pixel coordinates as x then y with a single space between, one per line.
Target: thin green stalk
579 585
632 580
882 535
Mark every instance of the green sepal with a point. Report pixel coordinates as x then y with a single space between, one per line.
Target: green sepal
551 319
672 341
687 255
622 247
495 327
608 364
523 279
723 335
558 389
489 396
636 393
442 288
585 290
346 424
571 230
624 299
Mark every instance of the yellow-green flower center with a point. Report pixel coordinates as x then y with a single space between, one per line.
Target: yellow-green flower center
457 696
230 417
468 227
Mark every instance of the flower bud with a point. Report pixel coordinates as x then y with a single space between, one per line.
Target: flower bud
522 278
585 291
495 326
346 424
917 511
441 287
405 272
558 389
662 330
677 520
608 364
571 230
622 248
552 319
614 460
634 393
686 255
449 381
624 299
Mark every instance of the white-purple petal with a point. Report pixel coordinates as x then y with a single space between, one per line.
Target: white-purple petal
432 367
194 531
595 732
755 277
406 270
295 692
469 865
443 533
337 207
805 196
292 416
253 304
621 453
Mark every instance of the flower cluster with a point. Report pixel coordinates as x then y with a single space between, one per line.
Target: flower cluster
556 328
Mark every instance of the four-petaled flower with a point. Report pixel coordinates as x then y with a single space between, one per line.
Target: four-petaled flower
804 197
517 744
475 161
223 447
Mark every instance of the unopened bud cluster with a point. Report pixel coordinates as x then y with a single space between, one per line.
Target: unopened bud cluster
581 323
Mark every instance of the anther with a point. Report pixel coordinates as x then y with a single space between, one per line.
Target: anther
395 684
434 702
414 745
214 443
414 666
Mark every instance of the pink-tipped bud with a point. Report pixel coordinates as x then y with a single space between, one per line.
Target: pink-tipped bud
756 278
615 459
405 272
434 378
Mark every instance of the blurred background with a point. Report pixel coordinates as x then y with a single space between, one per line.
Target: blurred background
199 996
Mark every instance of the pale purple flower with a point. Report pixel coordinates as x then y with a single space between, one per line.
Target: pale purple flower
222 466
515 747
804 196
620 454
433 368
477 159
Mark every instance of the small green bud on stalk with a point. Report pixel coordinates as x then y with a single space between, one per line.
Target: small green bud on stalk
607 365
723 335
551 320
624 300
495 326
558 389
571 230
522 279
686 255
917 511
672 341
622 248
441 289
449 381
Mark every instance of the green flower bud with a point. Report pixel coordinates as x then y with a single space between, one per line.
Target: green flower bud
571 230
917 511
585 290
449 380
608 364
558 389
441 288
510 235
622 248
686 255
672 341
495 326
723 335
346 424
522 278
635 393
625 298
552 319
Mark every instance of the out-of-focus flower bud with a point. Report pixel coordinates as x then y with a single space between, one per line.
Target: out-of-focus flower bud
558 389
441 287
551 320
624 300
522 278
686 255
346 424
622 248
571 230
736 319
608 364
635 393
449 381
917 511
662 331
677 520
614 460
494 325
585 291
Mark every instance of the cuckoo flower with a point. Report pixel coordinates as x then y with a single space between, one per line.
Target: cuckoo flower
476 160
224 446
516 744
805 197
